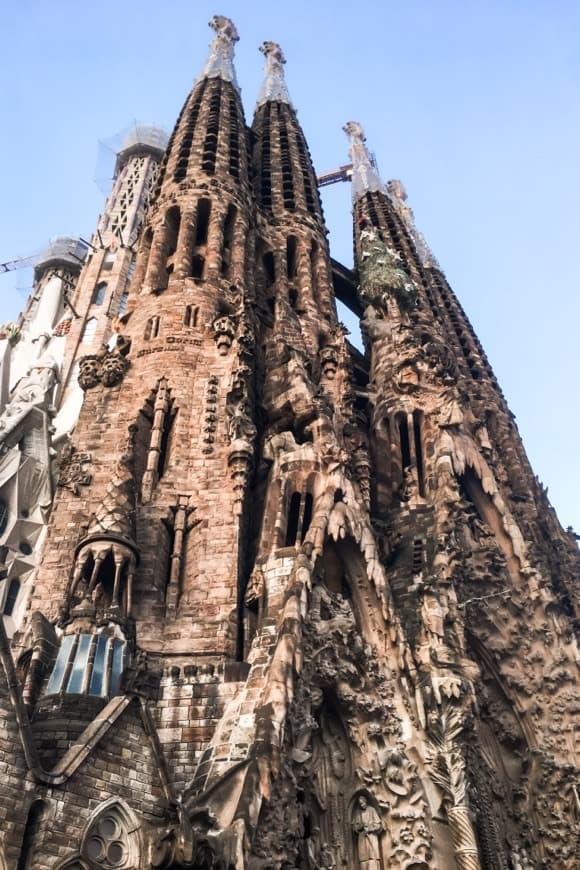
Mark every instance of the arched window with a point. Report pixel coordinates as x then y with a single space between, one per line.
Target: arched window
89 331
99 293
31 830
111 840
191 315
299 518
11 597
151 328
269 268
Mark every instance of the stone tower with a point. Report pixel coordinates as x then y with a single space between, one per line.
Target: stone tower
312 609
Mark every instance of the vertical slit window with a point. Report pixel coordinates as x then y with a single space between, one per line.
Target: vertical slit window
118 663
210 143
97 683
58 672
404 440
202 221
293 518
197 267
291 257
269 268
307 517
419 451
11 598
89 331
76 679
228 236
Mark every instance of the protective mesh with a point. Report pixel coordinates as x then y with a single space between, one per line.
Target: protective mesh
365 177
274 86
220 63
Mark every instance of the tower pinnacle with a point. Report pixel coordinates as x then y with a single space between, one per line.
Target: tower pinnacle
274 86
364 175
220 63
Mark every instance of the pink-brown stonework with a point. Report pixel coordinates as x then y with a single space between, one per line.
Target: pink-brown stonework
298 607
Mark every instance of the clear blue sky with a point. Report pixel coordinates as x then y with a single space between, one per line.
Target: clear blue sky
474 104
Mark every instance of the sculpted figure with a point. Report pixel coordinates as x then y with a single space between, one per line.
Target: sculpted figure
367 827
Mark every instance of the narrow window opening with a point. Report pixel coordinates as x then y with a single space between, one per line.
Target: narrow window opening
100 293
12 596
291 258
227 240
31 831
151 328
419 451
164 446
187 315
269 268
405 445
123 303
293 518
307 516
293 298
202 221
89 331
197 267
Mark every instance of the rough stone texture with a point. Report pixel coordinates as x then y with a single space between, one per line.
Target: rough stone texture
310 609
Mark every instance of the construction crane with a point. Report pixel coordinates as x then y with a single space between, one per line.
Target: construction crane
343 173
21 263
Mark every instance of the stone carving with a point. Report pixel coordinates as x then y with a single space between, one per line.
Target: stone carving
367 827
73 469
274 85
221 55
210 415
224 330
107 367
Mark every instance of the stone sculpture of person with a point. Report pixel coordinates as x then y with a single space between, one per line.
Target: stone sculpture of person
367 827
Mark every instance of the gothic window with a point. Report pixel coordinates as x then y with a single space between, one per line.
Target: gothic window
89 331
11 597
293 519
111 840
152 328
100 293
89 664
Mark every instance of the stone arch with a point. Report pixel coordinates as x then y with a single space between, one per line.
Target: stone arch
112 837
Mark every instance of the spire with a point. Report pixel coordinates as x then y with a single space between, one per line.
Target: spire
398 196
364 175
220 63
274 86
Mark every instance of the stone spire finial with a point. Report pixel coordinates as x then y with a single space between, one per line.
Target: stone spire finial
274 86
398 194
220 63
364 175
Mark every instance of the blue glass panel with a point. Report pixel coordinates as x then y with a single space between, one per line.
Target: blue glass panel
57 676
117 665
77 675
98 676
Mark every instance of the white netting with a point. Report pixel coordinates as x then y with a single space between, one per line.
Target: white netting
220 63
364 175
398 194
274 85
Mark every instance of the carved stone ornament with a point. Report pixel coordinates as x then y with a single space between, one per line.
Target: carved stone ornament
74 469
89 371
107 367
224 330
